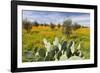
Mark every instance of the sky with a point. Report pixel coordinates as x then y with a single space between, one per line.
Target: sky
56 17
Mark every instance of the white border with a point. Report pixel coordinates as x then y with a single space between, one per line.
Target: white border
53 63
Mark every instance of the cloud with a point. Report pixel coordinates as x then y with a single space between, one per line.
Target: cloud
56 17
83 19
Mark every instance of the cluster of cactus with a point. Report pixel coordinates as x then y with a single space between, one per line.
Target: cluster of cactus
57 51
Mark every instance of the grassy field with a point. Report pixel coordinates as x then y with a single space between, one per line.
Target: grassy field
35 38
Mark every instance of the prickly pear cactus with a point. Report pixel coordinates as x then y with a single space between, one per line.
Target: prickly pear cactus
57 51
75 58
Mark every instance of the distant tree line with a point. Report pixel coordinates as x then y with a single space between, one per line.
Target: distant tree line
27 25
67 26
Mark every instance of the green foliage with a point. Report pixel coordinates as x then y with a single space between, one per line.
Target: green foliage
76 26
52 26
67 27
26 25
35 23
59 25
55 54
59 55
42 52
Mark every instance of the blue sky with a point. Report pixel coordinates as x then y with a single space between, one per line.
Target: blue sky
56 17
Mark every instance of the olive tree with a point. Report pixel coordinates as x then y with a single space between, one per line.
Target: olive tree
67 27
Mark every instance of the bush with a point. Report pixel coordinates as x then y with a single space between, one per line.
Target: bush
59 25
76 26
26 25
35 23
52 26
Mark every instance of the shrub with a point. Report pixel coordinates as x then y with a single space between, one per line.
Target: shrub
52 26
76 26
26 25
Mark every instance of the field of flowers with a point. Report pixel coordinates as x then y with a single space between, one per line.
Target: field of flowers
35 44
